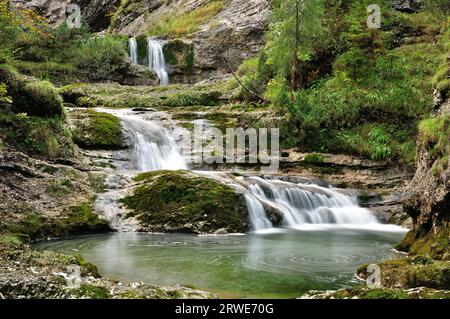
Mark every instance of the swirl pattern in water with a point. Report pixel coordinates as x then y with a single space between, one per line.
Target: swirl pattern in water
281 264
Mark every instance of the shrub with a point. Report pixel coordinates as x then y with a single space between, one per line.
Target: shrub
101 58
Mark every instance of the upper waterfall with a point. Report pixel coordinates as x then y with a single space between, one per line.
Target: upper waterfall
133 50
157 61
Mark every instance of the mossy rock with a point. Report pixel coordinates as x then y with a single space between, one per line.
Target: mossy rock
413 272
98 131
180 55
31 96
76 220
182 202
434 245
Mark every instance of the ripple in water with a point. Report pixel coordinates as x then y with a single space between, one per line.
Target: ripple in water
282 264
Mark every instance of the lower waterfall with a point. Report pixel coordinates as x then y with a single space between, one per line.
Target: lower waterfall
303 204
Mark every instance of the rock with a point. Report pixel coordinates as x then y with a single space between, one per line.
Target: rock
409 6
139 75
181 201
30 95
240 27
427 197
97 13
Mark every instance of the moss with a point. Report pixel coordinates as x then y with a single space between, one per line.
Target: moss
60 188
99 131
150 175
417 271
180 54
314 159
434 245
384 294
91 291
30 96
76 220
175 201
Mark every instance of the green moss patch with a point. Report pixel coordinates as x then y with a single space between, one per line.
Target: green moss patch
98 131
178 202
418 271
31 96
433 245
76 220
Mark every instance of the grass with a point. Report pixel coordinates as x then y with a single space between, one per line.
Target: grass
187 23
435 136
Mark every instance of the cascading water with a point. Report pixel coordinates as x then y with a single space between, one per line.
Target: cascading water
304 204
133 50
152 146
299 204
156 60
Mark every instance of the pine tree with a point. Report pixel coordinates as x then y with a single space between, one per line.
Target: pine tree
294 27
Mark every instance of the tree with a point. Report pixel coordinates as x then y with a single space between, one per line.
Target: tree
295 26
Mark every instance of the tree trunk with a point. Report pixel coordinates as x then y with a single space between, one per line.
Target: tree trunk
294 83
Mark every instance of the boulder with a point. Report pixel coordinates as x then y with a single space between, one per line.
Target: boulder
181 201
139 75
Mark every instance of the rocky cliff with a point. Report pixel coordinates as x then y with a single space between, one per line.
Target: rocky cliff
202 27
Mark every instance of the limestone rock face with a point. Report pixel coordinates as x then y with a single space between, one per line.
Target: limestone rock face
139 75
428 195
236 31
97 13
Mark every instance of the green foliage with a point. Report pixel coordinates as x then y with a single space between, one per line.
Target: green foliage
383 293
380 144
101 58
314 159
5 100
435 135
63 54
98 131
289 40
174 200
370 99
174 25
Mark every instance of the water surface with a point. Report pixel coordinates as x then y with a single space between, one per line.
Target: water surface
277 264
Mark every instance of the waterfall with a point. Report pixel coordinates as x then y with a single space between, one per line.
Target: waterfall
299 204
156 60
133 50
258 218
152 146
302 204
